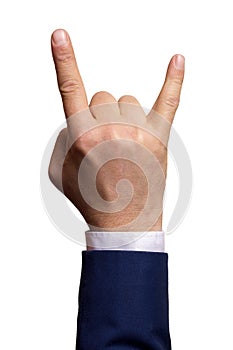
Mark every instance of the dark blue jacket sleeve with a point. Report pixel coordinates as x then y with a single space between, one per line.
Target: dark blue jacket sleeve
123 301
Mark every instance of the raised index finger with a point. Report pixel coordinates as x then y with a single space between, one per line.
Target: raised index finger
69 79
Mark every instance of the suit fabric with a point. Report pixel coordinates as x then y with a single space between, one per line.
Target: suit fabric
123 301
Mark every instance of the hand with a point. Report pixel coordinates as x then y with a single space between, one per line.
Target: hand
111 160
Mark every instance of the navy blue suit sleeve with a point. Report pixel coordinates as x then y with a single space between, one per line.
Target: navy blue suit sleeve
123 301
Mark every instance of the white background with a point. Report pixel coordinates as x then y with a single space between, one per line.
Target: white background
122 47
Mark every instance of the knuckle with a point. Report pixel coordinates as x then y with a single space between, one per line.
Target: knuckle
177 81
100 94
126 98
80 146
101 97
69 86
77 145
172 102
63 55
79 150
129 99
87 141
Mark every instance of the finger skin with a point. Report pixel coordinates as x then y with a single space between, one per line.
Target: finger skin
102 97
104 107
129 106
128 99
169 97
69 79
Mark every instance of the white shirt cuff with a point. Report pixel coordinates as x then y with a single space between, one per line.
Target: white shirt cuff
152 241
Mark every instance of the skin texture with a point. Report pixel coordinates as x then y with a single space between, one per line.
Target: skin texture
119 128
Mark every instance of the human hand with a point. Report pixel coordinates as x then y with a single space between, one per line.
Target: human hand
111 160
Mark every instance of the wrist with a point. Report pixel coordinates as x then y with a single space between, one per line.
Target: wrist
111 225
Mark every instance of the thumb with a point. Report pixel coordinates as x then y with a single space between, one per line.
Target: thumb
57 160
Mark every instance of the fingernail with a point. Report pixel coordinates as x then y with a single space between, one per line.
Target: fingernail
179 62
59 37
